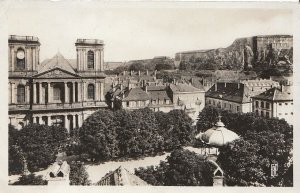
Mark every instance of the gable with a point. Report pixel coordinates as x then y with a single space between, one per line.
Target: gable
56 73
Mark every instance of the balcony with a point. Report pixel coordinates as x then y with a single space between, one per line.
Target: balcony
77 105
89 41
18 107
23 38
52 106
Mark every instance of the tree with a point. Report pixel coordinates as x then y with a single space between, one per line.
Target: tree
78 174
176 128
138 133
264 141
15 159
182 168
31 179
136 67
98 135
40 144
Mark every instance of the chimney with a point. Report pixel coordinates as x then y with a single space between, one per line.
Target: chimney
155 73
146 88
131 72
216 86
124 72
238 85
121 87
282 87
139 73
147 72
225 84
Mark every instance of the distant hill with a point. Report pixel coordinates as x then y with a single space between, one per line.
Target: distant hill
242 53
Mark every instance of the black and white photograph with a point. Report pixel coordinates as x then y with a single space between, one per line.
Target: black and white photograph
149 94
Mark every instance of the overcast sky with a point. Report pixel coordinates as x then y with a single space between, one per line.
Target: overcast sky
139 33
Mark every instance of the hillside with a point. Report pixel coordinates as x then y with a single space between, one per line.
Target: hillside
243 52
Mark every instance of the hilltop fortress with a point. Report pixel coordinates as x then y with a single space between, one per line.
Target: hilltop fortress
256 49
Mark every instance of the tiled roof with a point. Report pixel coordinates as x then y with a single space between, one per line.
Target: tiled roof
276 94
183 87
230 91
161 95
58 61
136 94
121 177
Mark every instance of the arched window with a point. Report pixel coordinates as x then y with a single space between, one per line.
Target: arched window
21 94
91 91
20 59
90 59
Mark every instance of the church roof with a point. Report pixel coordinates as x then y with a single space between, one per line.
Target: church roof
121 177
218 135
58 61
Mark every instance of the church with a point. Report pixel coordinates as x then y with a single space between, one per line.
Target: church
57 91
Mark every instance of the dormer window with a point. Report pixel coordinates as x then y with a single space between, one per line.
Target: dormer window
90 59
20 59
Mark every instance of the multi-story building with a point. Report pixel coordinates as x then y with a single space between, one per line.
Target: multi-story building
234 97
56 91
275 102
160 98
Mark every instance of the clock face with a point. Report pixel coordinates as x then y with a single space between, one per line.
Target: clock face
20 54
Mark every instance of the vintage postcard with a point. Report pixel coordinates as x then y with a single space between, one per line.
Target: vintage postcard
160 95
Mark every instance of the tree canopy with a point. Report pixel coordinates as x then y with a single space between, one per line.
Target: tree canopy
31 179
40 144
182 168
110 134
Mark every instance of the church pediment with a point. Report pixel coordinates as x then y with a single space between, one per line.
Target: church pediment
56 73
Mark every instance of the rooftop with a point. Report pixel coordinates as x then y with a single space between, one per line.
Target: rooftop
276 94
235 92
183 87
121 177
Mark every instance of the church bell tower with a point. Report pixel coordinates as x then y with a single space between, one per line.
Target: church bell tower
90 57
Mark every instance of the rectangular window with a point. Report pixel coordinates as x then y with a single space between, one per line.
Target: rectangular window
127 103
268 105
256 112
256 104
237 108
224 105
268 114
262 104
291 113
56 93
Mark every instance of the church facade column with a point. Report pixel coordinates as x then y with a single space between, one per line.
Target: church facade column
73 91
13 93
101 91
9 93
40 93
83 91
66 92
50 93
79 93
34 92
27 93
